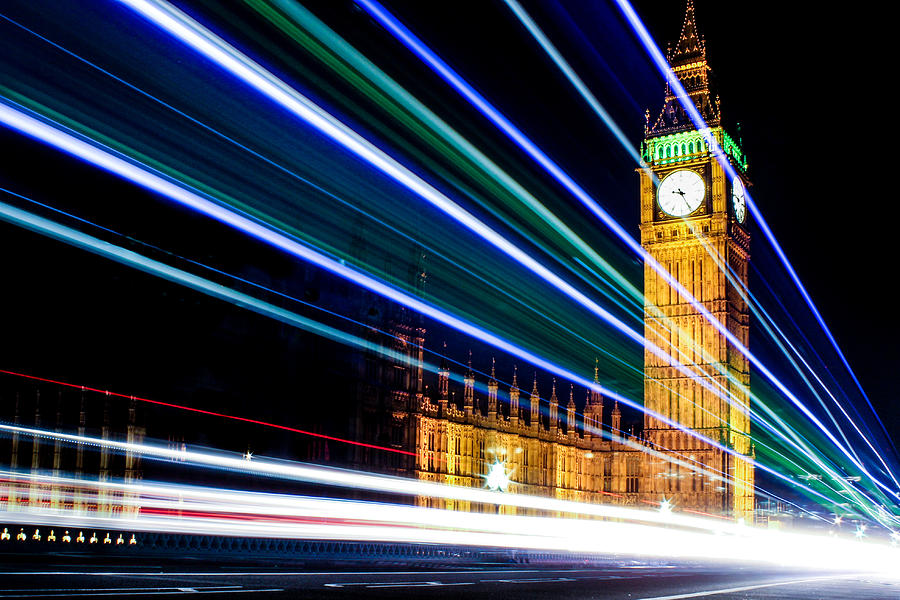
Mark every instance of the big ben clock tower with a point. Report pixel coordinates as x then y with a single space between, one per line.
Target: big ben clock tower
694 223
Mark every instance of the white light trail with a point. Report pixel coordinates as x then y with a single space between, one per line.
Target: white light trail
210 511
195 36
143 176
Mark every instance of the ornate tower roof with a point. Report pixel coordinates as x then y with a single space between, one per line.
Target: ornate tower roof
690 46
688 60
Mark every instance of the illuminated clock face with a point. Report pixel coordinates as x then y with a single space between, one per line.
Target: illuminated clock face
738 200
681 193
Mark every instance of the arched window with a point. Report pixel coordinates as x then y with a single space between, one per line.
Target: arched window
691 148
683 149
668 151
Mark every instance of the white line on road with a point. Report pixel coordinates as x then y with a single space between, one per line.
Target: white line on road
417 584
125 589
163 592
394 584
743 589
284 573
531 580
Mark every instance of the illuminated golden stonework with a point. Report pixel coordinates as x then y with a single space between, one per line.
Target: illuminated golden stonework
684 243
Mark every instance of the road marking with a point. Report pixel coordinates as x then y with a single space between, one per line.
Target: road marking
286 573
418 584
529 580
161 592
125 589
743 589
395 584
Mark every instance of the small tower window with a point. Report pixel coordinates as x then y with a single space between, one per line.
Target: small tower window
683 149
668 151
691 148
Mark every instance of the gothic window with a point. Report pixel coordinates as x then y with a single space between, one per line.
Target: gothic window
691 148
668 151
631 475
683 149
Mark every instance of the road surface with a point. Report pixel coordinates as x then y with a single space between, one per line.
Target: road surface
620 580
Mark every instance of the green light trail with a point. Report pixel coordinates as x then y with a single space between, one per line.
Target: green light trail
301 185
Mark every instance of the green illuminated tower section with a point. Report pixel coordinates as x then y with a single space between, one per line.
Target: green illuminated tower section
693 222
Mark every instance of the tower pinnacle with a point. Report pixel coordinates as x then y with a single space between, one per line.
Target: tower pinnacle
690 45
688 61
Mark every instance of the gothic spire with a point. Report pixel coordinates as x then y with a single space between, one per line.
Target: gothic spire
469 392
444 376
690 45
444 365
514 397
534 415
688 61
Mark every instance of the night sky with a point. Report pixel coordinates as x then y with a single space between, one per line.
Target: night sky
807 86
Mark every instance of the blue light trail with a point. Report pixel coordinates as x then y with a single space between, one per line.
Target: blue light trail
118 165
412 42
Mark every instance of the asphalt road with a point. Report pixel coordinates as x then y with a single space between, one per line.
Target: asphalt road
631 581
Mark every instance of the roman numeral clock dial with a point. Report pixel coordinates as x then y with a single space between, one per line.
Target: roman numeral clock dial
739 200
681 193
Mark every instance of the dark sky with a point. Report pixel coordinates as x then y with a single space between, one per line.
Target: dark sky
806 83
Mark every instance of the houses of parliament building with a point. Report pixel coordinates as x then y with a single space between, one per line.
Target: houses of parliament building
690 212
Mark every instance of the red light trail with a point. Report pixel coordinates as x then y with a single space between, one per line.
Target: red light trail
208 412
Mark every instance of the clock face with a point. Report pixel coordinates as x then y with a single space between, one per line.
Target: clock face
738 200
681 193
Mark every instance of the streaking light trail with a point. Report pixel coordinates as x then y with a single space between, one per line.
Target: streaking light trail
469 93
384 87
208 412
122 167
576 81
217 50
210 511
135 260
601 112
663 66
357 270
